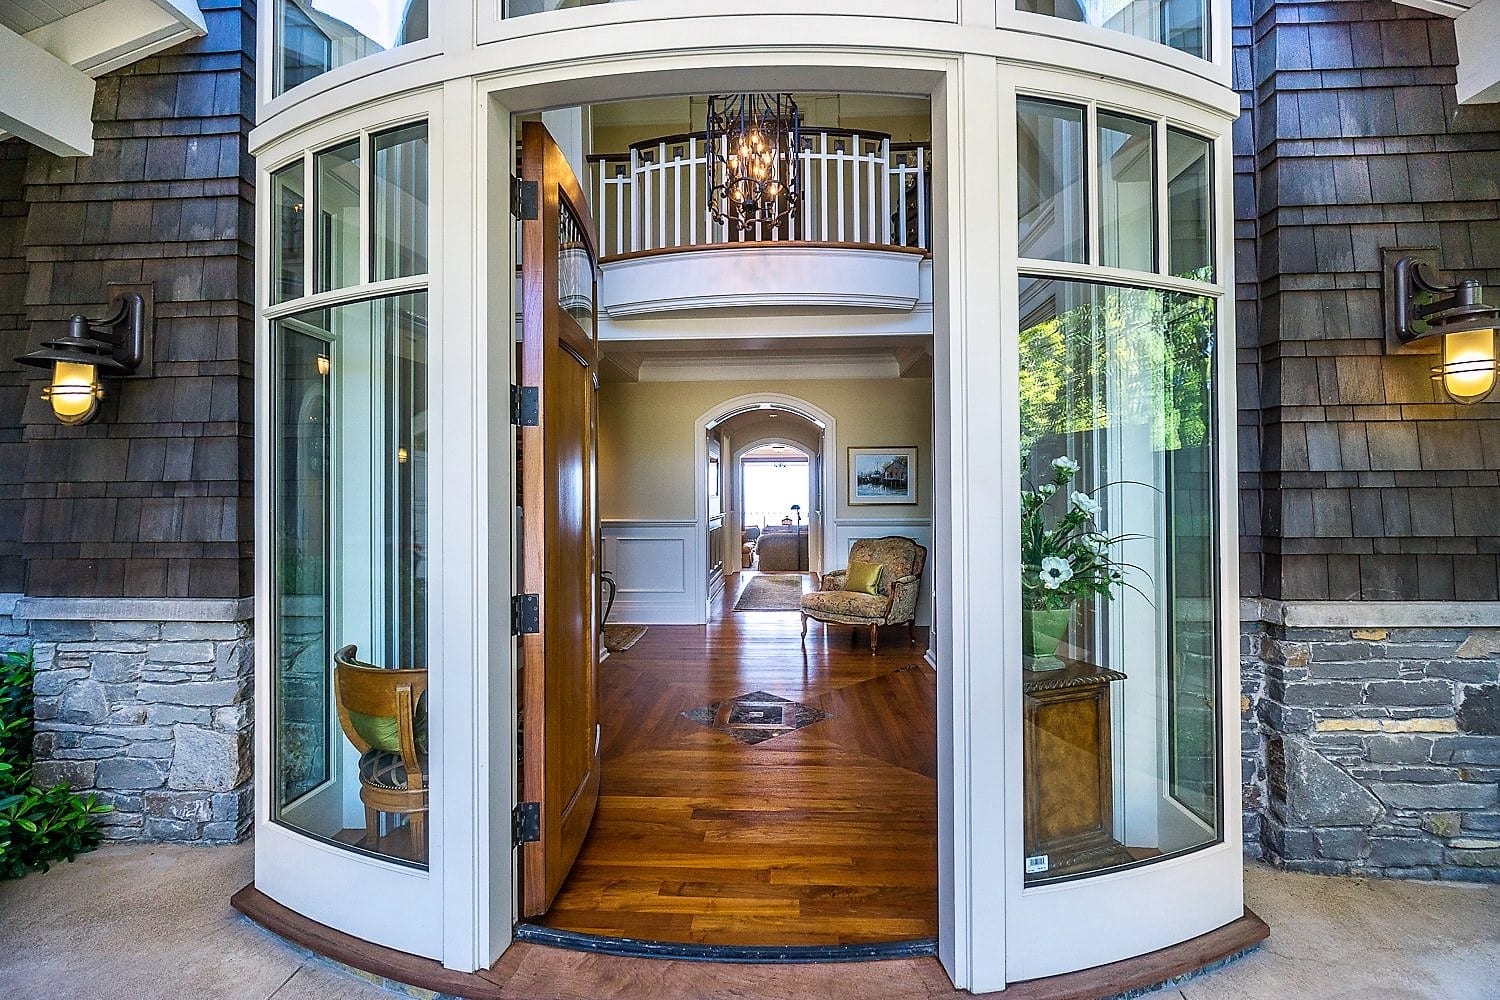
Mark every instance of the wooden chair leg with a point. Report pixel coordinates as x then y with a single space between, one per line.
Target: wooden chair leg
911 630
418 823
804 630
372 826
874 638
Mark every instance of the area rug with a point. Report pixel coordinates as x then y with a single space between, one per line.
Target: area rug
755 717
618 638
771 592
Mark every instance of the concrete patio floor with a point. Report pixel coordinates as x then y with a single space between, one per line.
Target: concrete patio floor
154 922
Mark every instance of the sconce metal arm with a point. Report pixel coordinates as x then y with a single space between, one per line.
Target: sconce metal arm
1425 308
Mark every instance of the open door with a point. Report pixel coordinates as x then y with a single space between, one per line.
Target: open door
559 511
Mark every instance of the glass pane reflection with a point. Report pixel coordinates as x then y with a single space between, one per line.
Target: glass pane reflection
1050 158
1178 24
1190 252
315 36
337 173
349 547
1121 697
289 235
1127 200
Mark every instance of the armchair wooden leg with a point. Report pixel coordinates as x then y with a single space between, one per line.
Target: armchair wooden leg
372 826
418 823
911 630
874 638
804 630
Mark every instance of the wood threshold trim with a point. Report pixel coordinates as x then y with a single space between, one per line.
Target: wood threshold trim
1129 975
766 245
349 950
1151 970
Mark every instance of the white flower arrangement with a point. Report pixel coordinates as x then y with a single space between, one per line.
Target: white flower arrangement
1065 556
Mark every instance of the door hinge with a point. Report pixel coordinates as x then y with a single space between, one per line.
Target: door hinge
525 199
525 405
525 614
525 823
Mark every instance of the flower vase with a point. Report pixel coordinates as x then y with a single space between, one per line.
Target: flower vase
1041 633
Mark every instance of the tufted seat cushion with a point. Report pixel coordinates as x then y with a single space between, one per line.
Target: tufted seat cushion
385 769
843 604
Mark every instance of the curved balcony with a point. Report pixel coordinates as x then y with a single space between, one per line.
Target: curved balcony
856 242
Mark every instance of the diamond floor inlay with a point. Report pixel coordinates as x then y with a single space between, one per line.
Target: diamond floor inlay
755 717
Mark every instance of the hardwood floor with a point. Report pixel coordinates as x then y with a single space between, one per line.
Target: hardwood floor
823 835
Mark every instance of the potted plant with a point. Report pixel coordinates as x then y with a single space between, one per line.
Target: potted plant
1061 562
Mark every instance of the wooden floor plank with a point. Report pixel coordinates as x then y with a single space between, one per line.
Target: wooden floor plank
824 835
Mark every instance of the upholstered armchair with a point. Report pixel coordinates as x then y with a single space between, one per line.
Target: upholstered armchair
901 561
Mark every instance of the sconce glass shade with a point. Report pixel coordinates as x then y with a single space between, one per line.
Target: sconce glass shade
1468 371
74 393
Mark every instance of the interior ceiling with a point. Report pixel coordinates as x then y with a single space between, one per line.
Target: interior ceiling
909 356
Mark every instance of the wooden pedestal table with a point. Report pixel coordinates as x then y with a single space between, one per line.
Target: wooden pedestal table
1069 772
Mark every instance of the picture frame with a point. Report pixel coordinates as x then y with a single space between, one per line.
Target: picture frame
882 475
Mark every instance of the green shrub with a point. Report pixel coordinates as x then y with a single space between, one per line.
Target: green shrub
37 825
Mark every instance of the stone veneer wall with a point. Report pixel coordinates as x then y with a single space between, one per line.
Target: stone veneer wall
149 710
1373 750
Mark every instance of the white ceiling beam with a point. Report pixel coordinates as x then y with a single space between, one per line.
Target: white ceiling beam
43 99
1478 31
115 33
1447 8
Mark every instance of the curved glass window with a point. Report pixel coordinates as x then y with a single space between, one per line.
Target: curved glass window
1178 24
349 517
315 36
1120 667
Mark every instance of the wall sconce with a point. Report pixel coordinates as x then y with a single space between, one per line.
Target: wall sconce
1420 307
93 349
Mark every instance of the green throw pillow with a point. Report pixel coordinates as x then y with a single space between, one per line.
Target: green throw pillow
382 733
863 578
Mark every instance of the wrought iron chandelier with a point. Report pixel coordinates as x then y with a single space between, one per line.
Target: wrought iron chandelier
754 162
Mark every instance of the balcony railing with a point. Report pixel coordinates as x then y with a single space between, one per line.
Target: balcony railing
857 187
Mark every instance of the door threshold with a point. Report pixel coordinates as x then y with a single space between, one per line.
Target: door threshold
744 954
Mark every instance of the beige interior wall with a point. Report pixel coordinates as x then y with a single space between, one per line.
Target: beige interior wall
646 438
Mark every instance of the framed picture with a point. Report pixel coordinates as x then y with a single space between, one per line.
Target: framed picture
882 475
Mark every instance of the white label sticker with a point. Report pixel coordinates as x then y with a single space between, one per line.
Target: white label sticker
1036 863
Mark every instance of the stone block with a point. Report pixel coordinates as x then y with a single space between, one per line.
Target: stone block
1457 795
1480 750
131 773
177 805
128 631
51 683
1459 874
170 830
233 806
203 631
84 703
1319 793
1481 822
223 833
1423 693
1393 749
167 715
210 694
1343 844
1479 711
117 667
1464 671
1444 824
1483 643
1322 693
61 631
182 652
1483 857
207 759
1403 852
76 774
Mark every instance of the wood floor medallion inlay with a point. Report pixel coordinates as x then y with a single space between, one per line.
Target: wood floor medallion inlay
824 835
755 717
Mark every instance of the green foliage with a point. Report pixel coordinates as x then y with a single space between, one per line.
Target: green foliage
1069 558
1100 356
37 825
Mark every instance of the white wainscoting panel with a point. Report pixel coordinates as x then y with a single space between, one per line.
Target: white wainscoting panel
919 529
654 564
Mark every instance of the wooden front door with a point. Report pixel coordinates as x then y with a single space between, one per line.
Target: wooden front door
560 559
